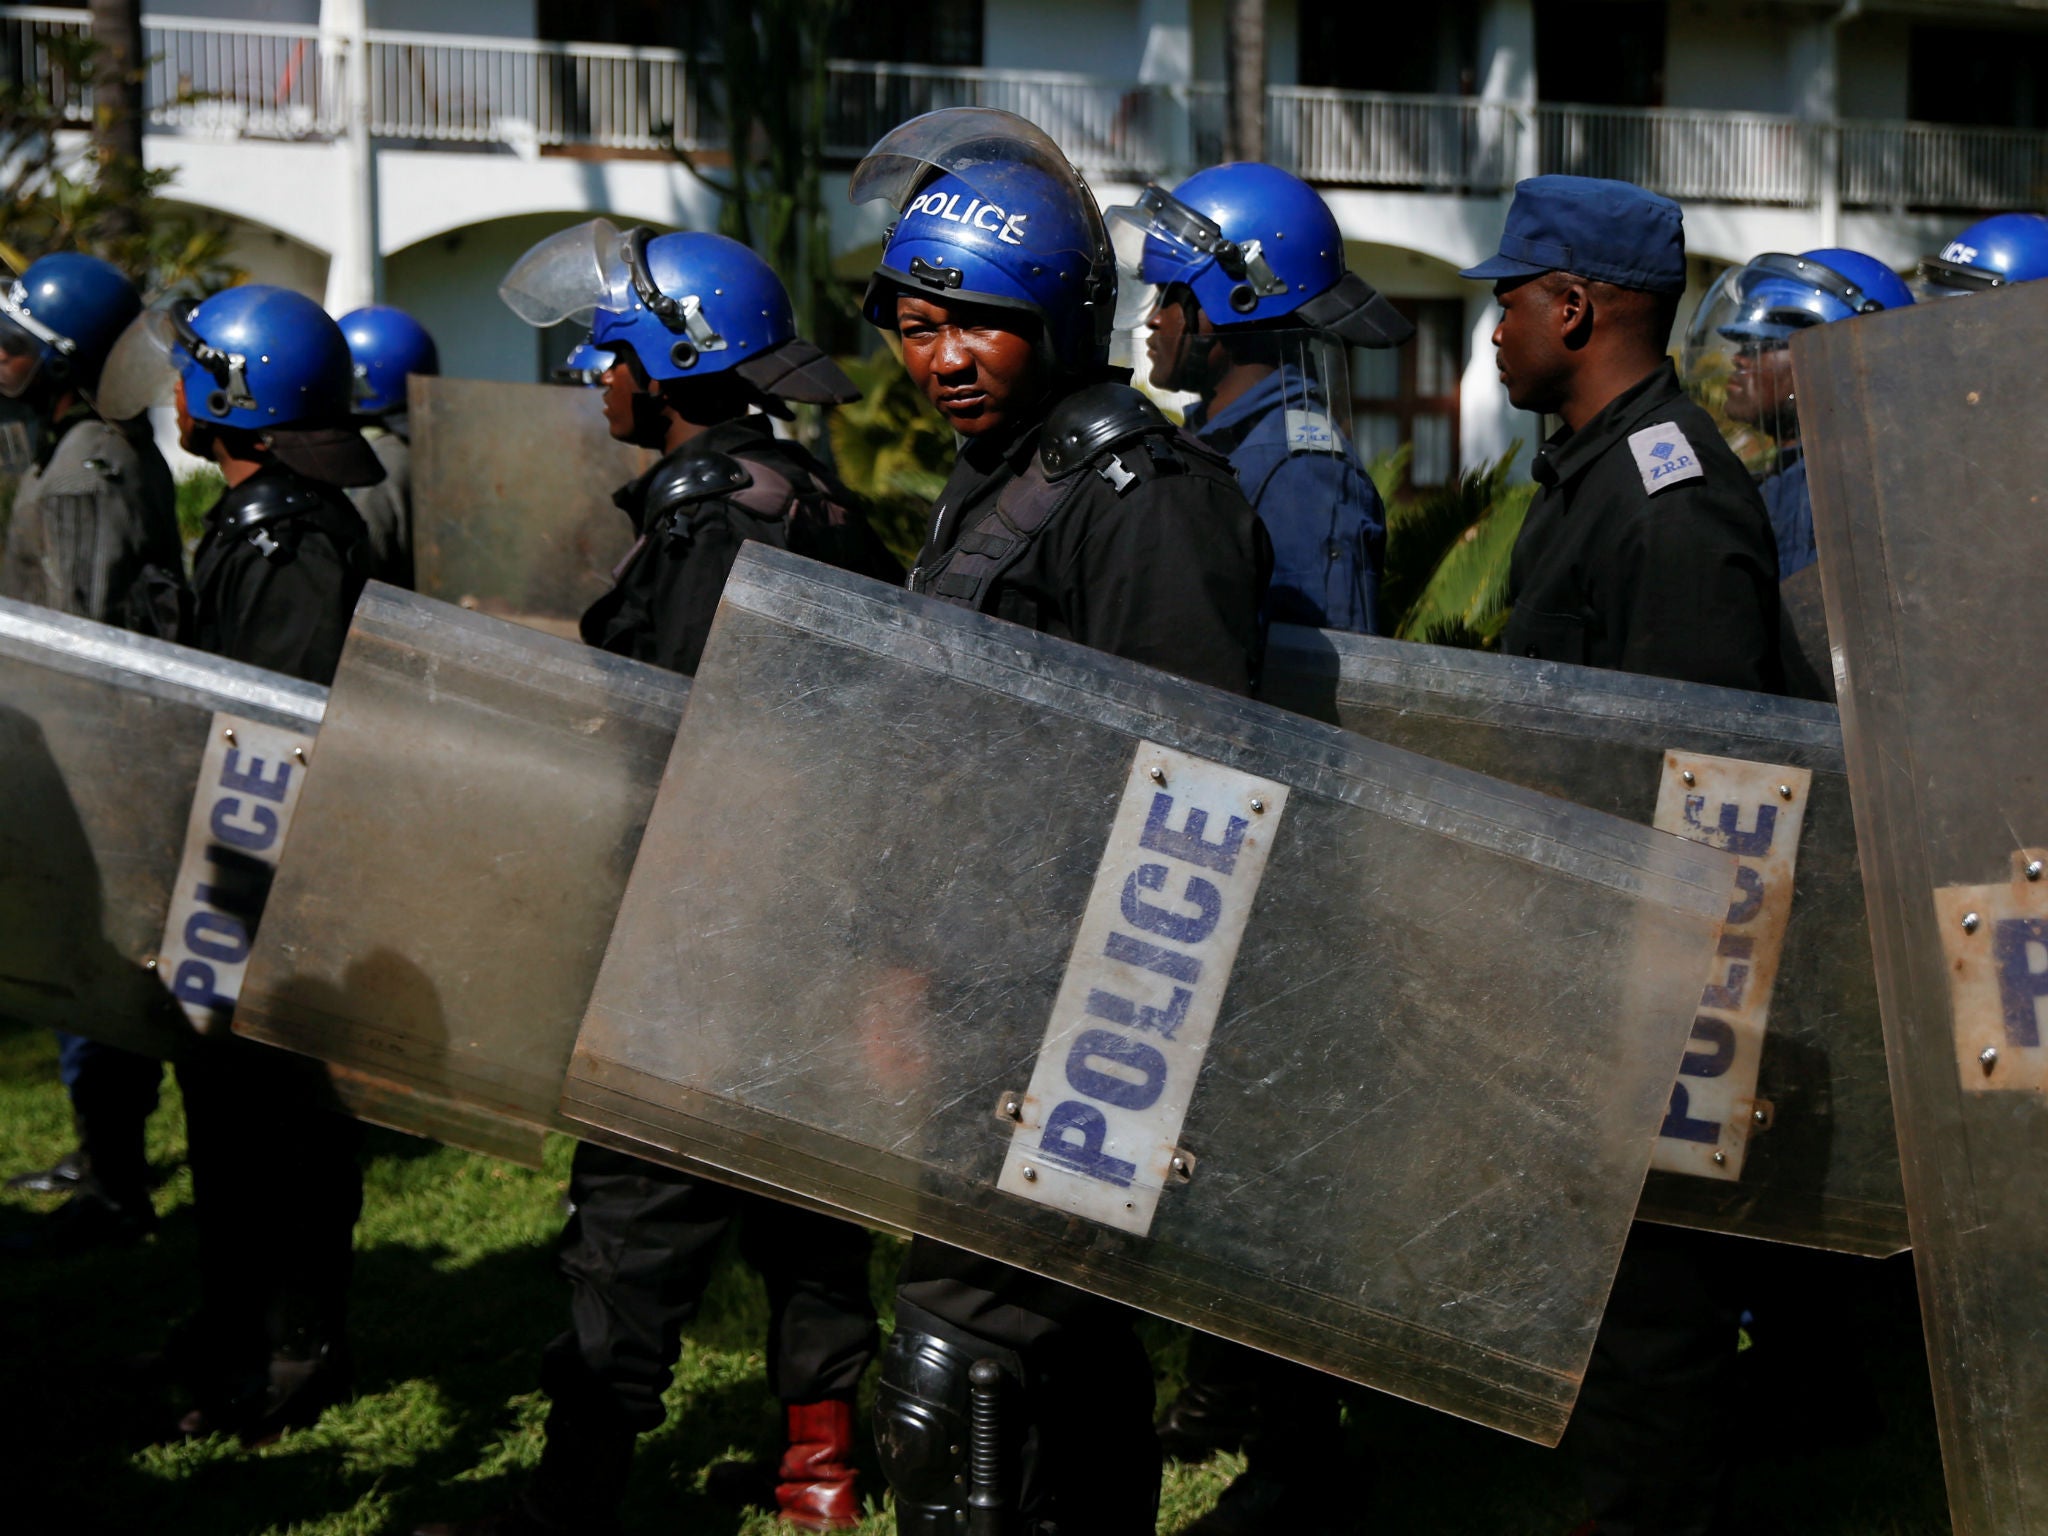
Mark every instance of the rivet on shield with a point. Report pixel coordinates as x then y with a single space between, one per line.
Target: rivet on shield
2033 869
1030 1174
228 735
1988 1057
1010 1106
1183 1166
1720 1158
299 753
1689 777
149 964
1158 774
1970 922
1258 806
1784 791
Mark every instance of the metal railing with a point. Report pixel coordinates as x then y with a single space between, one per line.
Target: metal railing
250 79
1920 165
1735 157
223 78
1427 143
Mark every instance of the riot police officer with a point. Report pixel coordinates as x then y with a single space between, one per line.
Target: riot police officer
700 350
262 383
1252 309
2005 248
94 512
1647 549
1077 510
1738 344
388 346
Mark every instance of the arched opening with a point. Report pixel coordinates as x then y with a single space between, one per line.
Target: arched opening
449 282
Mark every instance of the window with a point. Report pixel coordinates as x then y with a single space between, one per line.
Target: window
1978 79
1410 394
1601 53
918 32
1412 51
636 23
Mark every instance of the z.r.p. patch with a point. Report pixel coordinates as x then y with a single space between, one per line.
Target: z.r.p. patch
1663 456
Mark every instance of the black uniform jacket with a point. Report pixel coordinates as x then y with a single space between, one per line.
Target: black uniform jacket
287 610
660 609
1170 572
1654 556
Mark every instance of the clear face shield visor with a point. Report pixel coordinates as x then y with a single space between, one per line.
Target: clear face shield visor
1736 361
1159 234
24 342
142 370
594 266
1304 374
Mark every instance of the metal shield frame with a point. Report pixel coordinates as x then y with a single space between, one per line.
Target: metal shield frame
1414 1142
1928 471
102 734
511 498
1825 1171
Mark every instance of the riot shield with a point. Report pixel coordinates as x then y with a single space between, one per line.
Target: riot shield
146 789
1927 471
1781 1119
1279 1032
511 497
455 866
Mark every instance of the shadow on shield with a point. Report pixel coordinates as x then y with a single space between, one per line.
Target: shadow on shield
1780 1124
123 893
1930 495
1224 1013
511 493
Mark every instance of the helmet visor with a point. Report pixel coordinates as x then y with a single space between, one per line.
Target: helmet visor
571 275
1941 279
1737 361
961 140
143 367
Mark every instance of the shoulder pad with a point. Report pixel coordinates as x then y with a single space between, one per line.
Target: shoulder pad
1091 421
691 477
90 456
270 499
1664 457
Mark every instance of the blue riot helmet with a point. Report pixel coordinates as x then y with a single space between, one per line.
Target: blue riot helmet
687 306
64 315
990 211
585 365
388 346
1254 245
257 359
2005 248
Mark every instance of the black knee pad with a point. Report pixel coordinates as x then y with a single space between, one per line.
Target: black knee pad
922 1432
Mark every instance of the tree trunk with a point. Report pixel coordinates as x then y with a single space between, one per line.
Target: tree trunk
1244 130
117 110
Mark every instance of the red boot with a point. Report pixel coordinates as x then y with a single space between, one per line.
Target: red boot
814 1489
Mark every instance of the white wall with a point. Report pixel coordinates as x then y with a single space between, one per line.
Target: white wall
1088 37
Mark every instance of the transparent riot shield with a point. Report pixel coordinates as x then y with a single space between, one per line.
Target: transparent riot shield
138 816
1781 1122
1928 473
455 866
511 495
1227 1014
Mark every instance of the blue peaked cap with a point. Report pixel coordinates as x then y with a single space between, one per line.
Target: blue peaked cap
1609 231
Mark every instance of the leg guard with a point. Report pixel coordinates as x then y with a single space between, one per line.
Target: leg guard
938 1438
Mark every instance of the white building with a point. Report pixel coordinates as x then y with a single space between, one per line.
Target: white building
410 149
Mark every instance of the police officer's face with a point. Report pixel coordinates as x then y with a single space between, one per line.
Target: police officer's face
1529 343
186 439
1176 345
18 357
1760 386
619 386
974 363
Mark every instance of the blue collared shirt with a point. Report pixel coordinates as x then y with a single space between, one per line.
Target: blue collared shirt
1791 508
1321 508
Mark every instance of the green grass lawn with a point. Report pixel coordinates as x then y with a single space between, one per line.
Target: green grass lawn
456 1294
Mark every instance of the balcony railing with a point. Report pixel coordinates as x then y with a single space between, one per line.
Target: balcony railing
250 80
